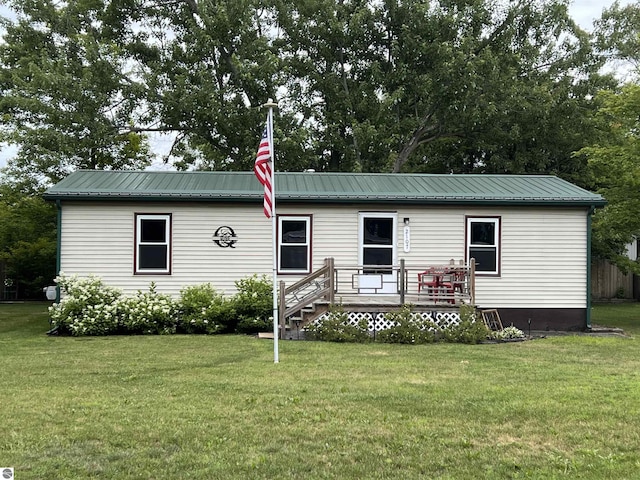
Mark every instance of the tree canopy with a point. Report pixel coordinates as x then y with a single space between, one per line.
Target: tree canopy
615 161
393 85
614 153
64 94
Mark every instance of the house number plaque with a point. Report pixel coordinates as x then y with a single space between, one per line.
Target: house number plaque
406 243
225 237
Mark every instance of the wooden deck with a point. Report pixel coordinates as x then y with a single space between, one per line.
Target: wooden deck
353 289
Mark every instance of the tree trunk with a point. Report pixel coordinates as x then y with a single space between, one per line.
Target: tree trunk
417 138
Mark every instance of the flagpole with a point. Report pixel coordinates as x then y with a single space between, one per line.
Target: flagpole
276 333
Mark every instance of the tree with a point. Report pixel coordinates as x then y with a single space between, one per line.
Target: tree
364 85
442 86
65 99
614 153
615 161
617 34
331 50
27 241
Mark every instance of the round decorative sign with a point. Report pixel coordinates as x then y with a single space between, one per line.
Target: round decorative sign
225 237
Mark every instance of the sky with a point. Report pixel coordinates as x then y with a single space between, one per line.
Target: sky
583 11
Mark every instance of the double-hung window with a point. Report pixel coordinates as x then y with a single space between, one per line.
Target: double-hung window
153 244
483 244
294 244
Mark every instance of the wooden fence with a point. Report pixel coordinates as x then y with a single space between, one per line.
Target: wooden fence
608 282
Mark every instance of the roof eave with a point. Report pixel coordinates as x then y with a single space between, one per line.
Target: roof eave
291 198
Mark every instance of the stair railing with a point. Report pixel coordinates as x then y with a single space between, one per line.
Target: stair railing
302 294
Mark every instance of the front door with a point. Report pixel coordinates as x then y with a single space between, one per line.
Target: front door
377 252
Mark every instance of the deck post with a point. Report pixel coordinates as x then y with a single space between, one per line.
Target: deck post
329 262
472 281
401 274
282 306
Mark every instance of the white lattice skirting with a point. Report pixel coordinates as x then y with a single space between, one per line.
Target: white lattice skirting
377 321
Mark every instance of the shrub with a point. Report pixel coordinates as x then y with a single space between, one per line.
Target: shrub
335 327
252 325
253 305
89 307
147 313
468 330
408 327
203 310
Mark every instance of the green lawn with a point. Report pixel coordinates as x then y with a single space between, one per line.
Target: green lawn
218 408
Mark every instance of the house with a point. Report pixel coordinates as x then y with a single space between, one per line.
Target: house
529 235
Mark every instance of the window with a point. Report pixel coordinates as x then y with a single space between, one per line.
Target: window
294 244
483 244
153 244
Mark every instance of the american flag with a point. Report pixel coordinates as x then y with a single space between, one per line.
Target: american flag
262 169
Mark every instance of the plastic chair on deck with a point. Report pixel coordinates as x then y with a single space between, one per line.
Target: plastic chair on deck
448 284
459 280
429 280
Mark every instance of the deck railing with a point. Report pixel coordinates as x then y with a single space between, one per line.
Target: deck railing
456 282
394 283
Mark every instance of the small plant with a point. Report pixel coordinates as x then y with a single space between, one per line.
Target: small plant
335 327
408 327
508 333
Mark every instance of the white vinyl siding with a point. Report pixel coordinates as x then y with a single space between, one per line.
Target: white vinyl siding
543 250
98 238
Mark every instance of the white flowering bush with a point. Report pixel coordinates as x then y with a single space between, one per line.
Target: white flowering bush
507 333
89 307
203 310
148 313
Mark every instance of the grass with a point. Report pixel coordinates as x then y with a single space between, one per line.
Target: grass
217 407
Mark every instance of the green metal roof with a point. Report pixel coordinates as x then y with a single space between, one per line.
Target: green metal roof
314 187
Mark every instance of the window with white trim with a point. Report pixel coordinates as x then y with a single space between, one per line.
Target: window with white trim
294 244
483 244
153 244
